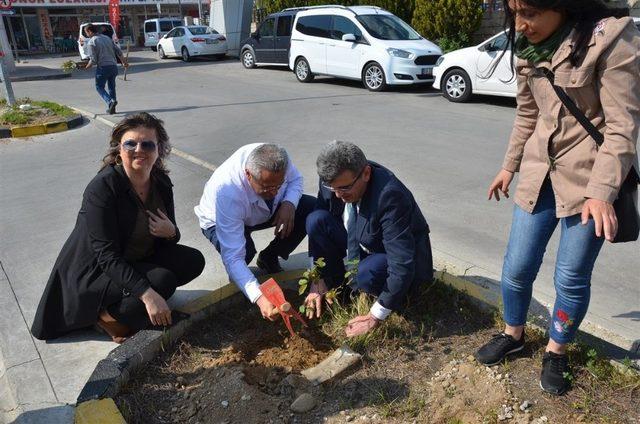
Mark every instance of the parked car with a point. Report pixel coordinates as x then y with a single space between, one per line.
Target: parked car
362 43
83 39
189 41
155 29
269 45
461 73
637 22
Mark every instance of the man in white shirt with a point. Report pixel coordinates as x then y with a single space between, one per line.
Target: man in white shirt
364 213
256 188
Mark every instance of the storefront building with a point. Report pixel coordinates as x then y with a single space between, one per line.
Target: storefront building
52 26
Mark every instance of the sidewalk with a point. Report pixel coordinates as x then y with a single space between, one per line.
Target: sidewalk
41 68
42 183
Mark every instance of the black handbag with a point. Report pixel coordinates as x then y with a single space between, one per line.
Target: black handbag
625 204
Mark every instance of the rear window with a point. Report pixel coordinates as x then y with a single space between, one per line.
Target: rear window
150 27
105 29
166 26
284 26
202 30
315 25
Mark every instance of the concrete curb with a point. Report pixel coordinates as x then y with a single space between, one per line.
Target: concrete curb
57 76
48 128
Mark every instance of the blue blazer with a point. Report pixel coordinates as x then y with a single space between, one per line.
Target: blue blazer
390 222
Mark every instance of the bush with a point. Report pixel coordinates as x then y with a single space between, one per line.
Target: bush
450 44
453 21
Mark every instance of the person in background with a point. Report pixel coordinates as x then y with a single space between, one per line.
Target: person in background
122 260
104 53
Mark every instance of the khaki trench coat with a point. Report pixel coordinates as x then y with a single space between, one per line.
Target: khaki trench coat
547 139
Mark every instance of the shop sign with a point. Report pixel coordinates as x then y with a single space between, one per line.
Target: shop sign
5 7
88 3
114 14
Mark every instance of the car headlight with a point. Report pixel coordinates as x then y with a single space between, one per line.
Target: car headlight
400 53
440 60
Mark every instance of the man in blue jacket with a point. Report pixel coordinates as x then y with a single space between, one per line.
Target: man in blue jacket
365 213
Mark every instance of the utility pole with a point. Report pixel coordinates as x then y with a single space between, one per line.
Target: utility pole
7 64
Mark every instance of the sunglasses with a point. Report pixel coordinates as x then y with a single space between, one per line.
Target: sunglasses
131 145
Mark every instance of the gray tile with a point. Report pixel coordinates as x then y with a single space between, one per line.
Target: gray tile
30 384
15 340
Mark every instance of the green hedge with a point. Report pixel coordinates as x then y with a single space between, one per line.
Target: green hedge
452 21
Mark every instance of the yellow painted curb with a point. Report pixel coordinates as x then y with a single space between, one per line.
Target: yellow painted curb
101 411
468 287
56 127
28 131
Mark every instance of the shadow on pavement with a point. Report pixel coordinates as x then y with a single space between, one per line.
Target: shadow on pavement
56 414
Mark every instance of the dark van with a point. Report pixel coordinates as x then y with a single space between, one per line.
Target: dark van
269 45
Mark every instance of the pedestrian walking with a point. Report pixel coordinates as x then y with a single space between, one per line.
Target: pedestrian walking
122 260
104 53
581 49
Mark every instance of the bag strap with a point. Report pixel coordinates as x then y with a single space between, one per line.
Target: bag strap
575 111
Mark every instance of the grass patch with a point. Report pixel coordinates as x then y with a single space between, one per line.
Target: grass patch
40 112
60 110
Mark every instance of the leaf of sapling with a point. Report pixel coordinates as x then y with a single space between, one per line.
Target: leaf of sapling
320 263
302 309
302 289
303 281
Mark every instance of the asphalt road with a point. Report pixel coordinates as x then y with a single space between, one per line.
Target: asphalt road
446 153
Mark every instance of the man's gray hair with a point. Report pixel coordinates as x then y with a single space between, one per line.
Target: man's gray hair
337 157
267 157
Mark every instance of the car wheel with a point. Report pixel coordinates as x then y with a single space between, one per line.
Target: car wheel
456 86
303 71
248 60
154 49
373 77
161 54
185 55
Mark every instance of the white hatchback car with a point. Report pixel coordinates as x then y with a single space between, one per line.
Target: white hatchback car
461 73
362 43
189 41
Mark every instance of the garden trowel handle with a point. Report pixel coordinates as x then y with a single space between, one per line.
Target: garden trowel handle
285 307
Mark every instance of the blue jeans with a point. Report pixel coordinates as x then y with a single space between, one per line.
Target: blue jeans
579 247
106 75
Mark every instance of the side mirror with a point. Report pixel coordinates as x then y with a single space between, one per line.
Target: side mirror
349 37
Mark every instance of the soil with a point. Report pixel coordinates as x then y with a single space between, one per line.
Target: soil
37 116
238 368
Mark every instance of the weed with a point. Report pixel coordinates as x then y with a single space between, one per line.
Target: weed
15 117
59 110
69 66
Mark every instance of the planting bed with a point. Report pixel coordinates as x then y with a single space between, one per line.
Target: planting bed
238 368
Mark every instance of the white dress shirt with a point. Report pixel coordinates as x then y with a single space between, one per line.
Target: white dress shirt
231 204
377 310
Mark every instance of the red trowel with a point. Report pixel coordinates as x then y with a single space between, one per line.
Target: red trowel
274 294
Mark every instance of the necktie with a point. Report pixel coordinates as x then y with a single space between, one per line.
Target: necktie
353 250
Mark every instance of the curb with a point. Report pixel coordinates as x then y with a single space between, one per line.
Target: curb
41 77
48 128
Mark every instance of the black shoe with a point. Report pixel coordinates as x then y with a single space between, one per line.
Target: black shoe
268 263
554 369
498 347
112 107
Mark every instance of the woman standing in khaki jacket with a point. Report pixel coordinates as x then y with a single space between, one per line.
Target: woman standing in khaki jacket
564 177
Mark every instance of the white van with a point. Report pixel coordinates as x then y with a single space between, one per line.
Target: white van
155 29
83 39
364 43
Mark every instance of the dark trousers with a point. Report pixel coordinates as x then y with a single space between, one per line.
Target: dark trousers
106 75
328 240
169 267
277 247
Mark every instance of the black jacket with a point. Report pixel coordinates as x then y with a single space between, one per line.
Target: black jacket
389 221
92 257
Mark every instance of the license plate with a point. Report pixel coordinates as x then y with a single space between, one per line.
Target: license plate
211 41
426 71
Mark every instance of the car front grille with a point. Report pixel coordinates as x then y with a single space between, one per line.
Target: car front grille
427 60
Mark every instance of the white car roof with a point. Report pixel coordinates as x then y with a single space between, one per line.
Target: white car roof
95 23
343 10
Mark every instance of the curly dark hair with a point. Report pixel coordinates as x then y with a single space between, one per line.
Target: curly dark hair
583 15
131 122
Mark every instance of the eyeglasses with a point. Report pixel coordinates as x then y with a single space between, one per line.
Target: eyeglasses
146 145
267 189
344 189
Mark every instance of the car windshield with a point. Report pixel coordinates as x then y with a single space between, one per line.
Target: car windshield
388 27
202 30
